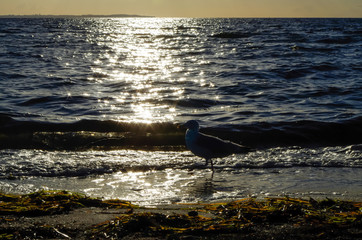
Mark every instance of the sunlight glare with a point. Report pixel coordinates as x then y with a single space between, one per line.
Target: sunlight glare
138 69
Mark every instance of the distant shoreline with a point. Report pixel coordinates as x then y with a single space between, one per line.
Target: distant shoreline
75 16
145 16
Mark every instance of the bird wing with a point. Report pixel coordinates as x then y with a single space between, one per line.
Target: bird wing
218 147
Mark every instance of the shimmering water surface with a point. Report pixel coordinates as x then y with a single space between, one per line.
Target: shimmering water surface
159 177
82 99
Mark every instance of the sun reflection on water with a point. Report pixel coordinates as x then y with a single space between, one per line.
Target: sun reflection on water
164 186
140 69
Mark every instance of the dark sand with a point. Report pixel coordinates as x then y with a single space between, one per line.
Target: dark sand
81 224
68 215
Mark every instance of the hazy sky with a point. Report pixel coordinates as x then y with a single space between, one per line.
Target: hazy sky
189 8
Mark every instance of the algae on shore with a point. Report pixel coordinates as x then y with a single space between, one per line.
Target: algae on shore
52 202
238 217
278 218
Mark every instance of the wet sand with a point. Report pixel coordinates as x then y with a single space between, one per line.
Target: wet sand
80 223
180 221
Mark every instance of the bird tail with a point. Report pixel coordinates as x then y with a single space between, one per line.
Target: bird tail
242 149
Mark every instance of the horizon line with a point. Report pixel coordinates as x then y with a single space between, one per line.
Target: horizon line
138 16
73 15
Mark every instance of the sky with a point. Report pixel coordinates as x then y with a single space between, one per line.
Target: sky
187 8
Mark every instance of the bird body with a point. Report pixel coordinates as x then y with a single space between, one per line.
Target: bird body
207 146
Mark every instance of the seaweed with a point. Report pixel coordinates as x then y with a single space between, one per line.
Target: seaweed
281 210
237 217
283 218
52 202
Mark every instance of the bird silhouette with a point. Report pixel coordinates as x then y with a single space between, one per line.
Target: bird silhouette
207 146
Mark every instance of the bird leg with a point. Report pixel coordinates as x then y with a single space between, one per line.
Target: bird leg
212 165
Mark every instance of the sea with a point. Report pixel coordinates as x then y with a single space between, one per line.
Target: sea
94 104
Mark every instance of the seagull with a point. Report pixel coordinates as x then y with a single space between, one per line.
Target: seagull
207 146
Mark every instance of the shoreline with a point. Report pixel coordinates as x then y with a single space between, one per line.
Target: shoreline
76 16
66 215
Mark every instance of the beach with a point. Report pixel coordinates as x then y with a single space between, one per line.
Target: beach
65 215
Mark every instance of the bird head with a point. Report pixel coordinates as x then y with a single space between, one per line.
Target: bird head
192 125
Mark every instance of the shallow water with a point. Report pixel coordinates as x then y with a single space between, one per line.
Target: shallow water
163 177
173 186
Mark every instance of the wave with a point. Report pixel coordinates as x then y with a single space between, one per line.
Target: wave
39 100
337 40
325 67
12 75
190 103
15 164
233 35
53 99
107 134
316 49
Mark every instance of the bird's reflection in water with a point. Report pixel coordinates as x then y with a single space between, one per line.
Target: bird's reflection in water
204 189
